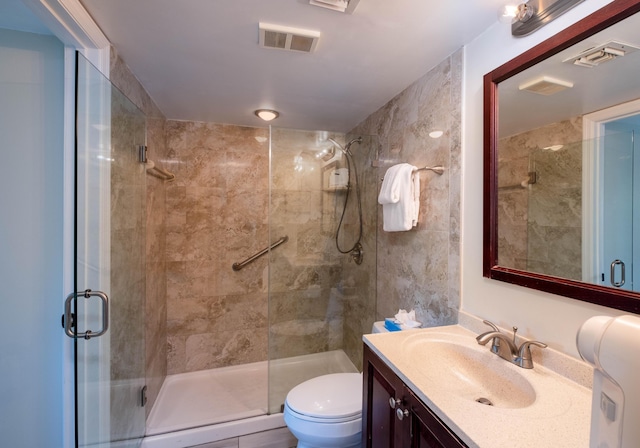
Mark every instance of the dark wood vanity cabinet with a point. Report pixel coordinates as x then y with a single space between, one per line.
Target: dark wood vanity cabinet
393 417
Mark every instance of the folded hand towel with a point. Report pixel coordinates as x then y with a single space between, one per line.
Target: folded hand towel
416 199
390 188
398 198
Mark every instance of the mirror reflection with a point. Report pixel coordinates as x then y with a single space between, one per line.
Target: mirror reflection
568 174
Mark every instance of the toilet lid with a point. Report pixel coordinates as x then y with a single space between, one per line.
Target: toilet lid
336 395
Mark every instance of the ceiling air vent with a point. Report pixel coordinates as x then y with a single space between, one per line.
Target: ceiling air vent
604 53
287 38
346 6
545 85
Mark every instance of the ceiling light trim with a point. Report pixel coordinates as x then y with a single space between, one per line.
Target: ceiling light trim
267 114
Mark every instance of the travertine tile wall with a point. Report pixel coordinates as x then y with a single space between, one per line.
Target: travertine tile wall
217 214
420 269
155 303
540 227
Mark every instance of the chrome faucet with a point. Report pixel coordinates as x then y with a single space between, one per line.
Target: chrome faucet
507 348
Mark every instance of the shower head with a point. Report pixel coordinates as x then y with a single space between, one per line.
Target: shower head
346 149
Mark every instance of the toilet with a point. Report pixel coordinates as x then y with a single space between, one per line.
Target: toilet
326 411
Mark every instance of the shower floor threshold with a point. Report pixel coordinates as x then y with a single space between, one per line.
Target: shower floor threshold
210 397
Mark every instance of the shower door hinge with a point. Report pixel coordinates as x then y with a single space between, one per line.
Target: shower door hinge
143 396
142 154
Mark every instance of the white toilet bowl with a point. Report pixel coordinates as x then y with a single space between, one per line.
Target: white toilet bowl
326 411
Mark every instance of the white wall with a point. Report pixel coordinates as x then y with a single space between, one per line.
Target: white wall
31 233
545 317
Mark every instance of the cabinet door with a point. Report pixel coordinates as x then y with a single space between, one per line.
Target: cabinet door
427 431
380 427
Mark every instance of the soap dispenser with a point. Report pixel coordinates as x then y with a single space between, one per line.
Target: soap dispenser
611 345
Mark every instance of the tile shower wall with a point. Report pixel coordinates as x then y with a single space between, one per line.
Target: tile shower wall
536 233
420 269
155 303
217 214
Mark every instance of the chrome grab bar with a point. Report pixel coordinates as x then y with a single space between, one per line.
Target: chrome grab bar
238 266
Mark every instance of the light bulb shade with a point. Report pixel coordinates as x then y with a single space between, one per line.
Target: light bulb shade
525 12
266 114
507 12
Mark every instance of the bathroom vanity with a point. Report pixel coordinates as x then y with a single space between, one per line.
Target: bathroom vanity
436 387
392 414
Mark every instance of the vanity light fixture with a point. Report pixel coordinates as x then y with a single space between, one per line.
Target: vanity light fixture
513 12
267 114
527 16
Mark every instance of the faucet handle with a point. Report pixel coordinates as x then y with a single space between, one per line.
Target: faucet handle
524 359
492 325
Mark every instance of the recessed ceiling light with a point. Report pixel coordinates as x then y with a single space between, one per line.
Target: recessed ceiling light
267 114
435 134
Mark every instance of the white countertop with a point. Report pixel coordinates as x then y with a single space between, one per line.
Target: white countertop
558 417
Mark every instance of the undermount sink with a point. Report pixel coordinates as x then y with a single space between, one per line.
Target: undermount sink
471 373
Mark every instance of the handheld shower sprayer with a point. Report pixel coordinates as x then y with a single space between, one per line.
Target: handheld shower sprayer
346 150
356 250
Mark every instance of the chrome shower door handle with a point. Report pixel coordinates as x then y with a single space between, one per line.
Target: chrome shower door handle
615 263
70 321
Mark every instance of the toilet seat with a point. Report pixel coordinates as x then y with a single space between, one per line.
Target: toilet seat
327 420
329 398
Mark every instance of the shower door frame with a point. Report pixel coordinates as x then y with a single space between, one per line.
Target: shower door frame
592 195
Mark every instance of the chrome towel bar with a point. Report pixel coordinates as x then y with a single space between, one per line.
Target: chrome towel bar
439 170
238 266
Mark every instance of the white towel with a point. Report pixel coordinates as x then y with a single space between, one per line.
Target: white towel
400 198
416 198
390 188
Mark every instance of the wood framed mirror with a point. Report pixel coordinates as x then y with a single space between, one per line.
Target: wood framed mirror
546 203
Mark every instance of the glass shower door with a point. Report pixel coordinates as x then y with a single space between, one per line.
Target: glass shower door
619 213
320 301
110 259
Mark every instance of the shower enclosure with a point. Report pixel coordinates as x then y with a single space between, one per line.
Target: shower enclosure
238 340
263 324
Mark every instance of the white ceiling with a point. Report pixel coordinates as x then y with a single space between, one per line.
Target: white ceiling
200 59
